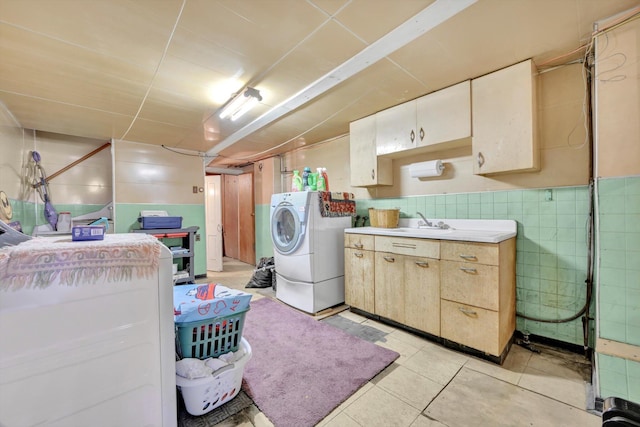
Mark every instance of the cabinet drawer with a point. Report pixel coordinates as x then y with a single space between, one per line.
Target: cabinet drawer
474 284
406 246
359 241
471 326
481 253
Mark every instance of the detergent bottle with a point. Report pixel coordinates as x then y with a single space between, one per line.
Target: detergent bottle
296 181
326 178
305 178
320 185
313 181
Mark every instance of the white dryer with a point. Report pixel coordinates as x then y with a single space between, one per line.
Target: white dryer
308 252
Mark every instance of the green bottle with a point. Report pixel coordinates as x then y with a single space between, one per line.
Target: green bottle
296 181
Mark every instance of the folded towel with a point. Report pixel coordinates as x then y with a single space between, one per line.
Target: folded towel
334 204
191 368
232 357
215 364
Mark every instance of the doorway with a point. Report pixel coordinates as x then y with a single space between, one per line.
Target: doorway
238 217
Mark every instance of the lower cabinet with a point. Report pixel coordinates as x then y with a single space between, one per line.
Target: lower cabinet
478 294
422 294
358 272
462 292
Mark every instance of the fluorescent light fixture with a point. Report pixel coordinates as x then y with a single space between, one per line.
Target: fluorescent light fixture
241 103
433 15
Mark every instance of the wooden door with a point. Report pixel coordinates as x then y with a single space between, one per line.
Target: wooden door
246 219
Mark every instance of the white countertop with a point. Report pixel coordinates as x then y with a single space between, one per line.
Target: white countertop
469 230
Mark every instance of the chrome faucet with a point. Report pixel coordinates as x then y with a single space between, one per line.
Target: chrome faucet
426 221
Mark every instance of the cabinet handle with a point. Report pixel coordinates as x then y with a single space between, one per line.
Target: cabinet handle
421 134
358 245
422 264
358 254
469 270
412 135
373 174
389 259
467 311
480 159
403 245
469 257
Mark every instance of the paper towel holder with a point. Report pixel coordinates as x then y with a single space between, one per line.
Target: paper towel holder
426 169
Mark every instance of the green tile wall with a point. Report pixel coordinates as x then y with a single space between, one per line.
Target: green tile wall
619 233
619 378
127 214
264 246
551 260
619 280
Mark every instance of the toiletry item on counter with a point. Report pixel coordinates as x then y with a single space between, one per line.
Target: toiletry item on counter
296 181
320 183
305 178
313 181
326 179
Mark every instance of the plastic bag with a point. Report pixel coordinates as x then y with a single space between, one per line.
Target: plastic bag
263 274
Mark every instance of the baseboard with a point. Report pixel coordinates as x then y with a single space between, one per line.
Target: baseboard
574 348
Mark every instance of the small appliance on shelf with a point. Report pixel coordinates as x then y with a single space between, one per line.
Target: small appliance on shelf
150 220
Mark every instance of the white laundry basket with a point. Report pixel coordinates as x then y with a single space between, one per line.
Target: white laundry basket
202 395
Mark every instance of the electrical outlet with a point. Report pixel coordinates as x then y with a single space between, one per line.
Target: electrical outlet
195 189
197 237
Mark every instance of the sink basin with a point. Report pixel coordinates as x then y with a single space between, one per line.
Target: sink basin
425 231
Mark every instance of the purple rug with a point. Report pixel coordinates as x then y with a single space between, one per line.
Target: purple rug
302 369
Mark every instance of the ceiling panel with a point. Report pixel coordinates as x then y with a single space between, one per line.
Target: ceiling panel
132 30
42 114
84 68
370 20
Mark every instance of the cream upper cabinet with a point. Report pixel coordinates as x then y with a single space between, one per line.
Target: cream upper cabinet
441 117
504 120
396 129
444 115
367 169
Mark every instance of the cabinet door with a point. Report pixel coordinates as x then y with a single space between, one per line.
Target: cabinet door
422 294
359 279
396 129
389 286
504 121
472 326
366 168
444 115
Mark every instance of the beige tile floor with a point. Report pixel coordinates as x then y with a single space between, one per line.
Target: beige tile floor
430 385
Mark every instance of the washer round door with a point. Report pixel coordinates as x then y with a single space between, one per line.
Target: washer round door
287 232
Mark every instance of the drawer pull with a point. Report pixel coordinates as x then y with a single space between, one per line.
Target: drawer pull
469 270
469 257
467 311
358 245
403 245
389 259
358 254
422 264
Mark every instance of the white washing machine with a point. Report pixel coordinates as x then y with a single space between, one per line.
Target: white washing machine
308 252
